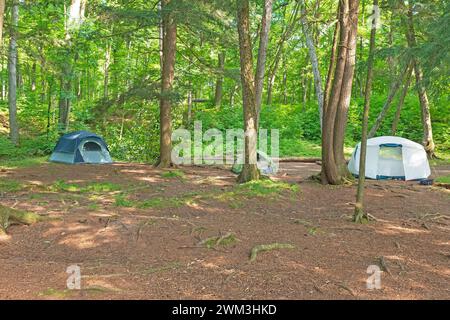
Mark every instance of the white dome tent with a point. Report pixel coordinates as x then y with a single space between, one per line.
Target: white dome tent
392 158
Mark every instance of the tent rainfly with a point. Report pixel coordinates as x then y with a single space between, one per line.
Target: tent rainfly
81 147
392 158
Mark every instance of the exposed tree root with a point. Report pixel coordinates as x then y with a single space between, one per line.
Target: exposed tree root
9 216
268 247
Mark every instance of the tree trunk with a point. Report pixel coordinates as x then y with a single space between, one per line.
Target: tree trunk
346 91
401 101
331 67
314 61
334 168
12 75
2 14
359 214
106 70
250 170
219 82
427 141
262 55
76 16
168 71
393 90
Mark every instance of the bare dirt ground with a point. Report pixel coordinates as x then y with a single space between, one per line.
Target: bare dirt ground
145 240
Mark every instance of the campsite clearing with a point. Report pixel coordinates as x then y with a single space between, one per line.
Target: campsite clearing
139 233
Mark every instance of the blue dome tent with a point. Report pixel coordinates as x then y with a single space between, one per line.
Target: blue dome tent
81 147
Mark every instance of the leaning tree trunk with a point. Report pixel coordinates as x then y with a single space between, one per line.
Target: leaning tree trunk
360 215
250 170
262 55
427 141
168 71
12 75
314 61
387 104
401 101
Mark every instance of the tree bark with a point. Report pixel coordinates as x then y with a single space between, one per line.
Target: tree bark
262 55
314 61
401 101
331 67
106 70
359 214
219 82
330 172
346 91
427 141
250 170
334 168
2 15
12 75
168 71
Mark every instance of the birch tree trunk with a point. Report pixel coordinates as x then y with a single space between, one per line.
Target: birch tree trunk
12 75
74 20
262 55
314 61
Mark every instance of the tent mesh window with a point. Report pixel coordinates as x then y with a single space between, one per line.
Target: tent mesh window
92 146
390 162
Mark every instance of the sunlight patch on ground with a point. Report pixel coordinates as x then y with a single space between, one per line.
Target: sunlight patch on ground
390 229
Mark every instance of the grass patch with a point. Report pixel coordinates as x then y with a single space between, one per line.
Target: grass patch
95 187
67 293
173 174
253 189
121 201
22 163
10 185
443 179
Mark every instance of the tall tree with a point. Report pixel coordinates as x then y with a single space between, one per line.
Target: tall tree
360 215
2 13
401 101
74 20
314 61
392 92
219 82
334 167
250 170
12 74
427 141
262 55
167 76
